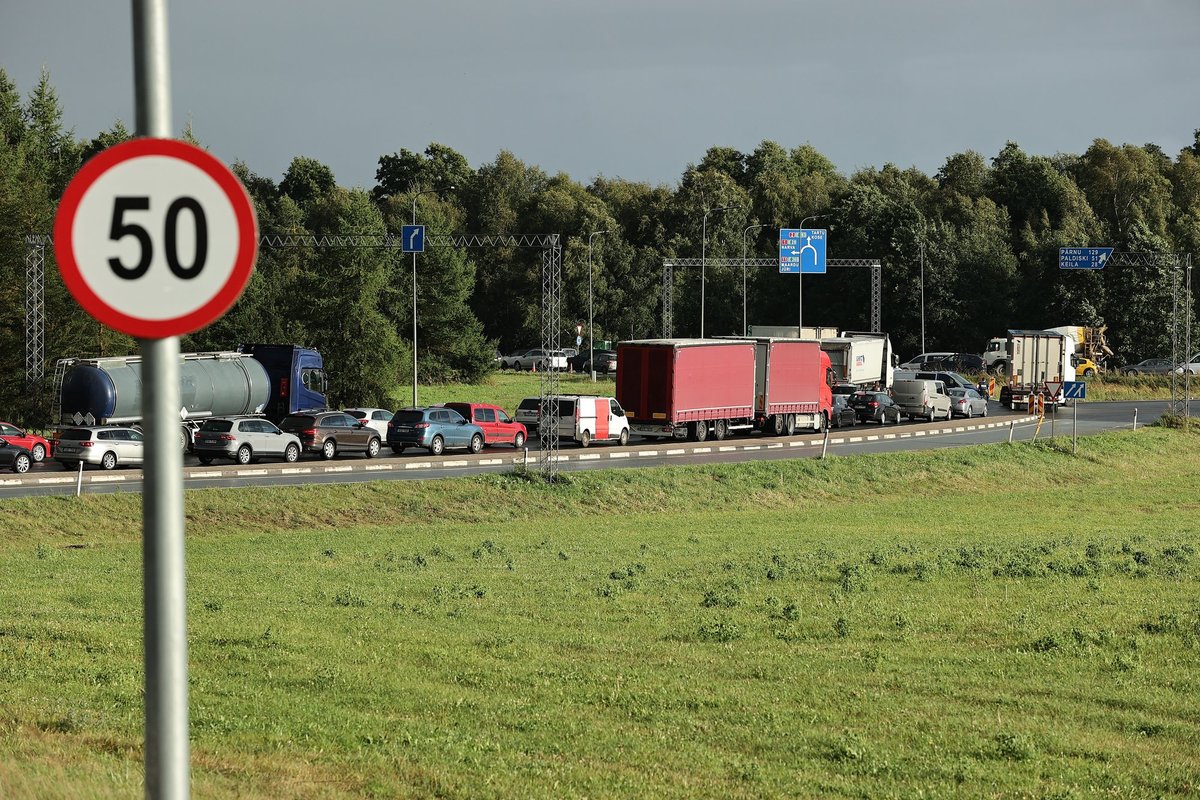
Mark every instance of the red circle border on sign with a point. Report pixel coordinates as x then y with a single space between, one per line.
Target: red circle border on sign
68 266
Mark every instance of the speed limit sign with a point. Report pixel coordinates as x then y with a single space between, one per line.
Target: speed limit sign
155 238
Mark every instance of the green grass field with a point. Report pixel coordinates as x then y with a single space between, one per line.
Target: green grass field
986 622
507 388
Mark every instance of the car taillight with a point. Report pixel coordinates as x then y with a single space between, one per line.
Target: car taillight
225 437
309 432
421 425
873 404
391 424
87 444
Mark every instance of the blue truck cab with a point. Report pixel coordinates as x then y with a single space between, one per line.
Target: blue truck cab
297 377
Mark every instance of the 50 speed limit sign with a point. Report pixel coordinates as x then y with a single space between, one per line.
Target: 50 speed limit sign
155 238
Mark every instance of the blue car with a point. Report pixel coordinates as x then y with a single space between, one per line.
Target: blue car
435 429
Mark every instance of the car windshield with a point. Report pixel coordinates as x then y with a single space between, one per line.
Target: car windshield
217 425
408 416
298 422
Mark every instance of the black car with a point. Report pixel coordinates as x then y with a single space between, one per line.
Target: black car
606 361
15 457
959 362
875 407
843 413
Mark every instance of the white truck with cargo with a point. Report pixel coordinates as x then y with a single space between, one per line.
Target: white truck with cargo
1033 361
861 358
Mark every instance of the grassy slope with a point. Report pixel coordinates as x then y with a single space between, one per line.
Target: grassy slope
507 389
988 622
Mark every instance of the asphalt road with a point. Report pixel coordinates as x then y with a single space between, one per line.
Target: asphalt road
50 479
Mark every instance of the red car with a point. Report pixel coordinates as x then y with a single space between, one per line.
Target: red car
498 428
38 447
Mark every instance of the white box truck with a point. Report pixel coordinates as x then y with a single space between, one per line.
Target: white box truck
861 358
1034 359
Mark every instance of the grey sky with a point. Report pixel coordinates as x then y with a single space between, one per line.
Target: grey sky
631 88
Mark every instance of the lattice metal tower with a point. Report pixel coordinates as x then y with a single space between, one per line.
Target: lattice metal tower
548 408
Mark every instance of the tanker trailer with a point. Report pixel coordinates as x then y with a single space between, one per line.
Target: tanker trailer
108 391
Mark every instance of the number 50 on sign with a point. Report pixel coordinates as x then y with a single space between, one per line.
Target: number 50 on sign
155 238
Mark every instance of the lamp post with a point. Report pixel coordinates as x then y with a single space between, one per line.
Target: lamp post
704 258
800 281
591 335
414 281
745 327
922 243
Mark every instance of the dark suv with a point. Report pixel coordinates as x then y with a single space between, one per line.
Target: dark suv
332 432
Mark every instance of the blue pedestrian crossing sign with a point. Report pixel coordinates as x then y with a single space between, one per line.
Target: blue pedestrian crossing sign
1074 390
802 251
1083 257
412 239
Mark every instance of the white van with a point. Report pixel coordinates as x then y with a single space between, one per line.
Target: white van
580 417
922 398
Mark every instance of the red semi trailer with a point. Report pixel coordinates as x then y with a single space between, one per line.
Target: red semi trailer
694 388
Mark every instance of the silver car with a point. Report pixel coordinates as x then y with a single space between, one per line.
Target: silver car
244 439
967 403
105 446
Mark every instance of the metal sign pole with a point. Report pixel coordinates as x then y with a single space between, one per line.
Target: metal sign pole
1075 428
163 589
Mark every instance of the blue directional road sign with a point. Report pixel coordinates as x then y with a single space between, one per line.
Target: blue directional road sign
412 239
802 250
1083 257
1074 390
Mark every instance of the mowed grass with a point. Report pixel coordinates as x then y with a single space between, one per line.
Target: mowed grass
987 622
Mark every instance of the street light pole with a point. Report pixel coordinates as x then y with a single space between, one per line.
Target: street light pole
704 259
414 282
591 335
922 243
800 282
745 327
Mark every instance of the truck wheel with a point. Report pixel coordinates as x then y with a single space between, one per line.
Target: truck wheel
789 424
244 455
775 425
183 440
372 448
720 429
328 449
585 438
109 460
699 430
623 439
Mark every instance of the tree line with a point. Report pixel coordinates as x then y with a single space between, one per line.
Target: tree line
988 229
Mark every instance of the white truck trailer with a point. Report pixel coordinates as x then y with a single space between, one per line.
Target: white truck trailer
861 358
1034 359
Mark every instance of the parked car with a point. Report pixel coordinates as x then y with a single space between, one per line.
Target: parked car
511 361
332 432
606 361
497 427
581 417
958 362
434 428
1151 366
1192 366
15 457
540 359
875 407
106 446
922 398
967 403
37 446
244 439
843 414
376 418
1084 367
926 361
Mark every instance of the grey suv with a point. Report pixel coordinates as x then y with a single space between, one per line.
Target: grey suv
244 439
332 432
106 446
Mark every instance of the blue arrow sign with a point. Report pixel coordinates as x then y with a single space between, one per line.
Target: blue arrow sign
412 239
802 250
1074 390
1083 257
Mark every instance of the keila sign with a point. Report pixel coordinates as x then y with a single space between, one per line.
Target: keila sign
155 238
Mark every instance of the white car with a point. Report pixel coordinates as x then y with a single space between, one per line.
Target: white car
374 418
106 446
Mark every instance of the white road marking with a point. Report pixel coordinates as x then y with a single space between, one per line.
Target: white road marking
592 457
455 463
